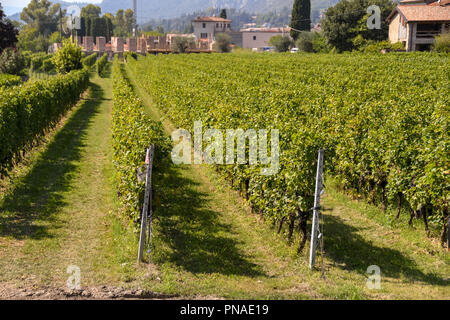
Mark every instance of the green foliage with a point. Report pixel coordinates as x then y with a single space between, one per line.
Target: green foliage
9 80
305 42
8 32
27 111
101 64
442 43
68 58
29 39
90 60
42 16
37 59
382 120
181 44
132 133
223 43
127 55
348 19
11 61
281 43
301 17
376 47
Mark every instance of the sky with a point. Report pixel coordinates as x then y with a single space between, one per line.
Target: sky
13 6
24 3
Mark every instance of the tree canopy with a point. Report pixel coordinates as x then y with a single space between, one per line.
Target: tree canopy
8 33
345 24
42 15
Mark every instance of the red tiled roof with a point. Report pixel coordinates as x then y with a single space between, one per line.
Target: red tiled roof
211 19
423 12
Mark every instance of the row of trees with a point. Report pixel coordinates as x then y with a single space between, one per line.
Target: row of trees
45 23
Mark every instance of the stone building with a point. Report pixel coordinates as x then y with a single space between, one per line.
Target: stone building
415 23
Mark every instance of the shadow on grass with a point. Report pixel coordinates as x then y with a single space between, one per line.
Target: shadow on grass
189 232
354 253
33 203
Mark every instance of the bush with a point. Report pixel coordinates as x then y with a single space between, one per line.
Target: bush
132 133
128 54
376 47
101 64
37 60
305 42
281 43
90 60
47 65
181 44
442 43
11 61
9 80
27 111
68 58
223 43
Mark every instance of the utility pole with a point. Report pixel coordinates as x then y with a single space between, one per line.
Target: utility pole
60 23
315 232
135 18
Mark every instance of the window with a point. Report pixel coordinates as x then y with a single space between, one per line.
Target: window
254 38
204 35
204 25
217 25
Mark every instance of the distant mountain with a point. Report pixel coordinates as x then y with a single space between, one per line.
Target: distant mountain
157 9
11 10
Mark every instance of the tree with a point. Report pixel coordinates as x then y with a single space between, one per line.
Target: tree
281 43
305 42
42 15
11 61
8 33
223 13
301 17
181 44
223 43
29 39
348 19
68 58
91 11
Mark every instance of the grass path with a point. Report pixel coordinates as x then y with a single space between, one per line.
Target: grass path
56 213
209 243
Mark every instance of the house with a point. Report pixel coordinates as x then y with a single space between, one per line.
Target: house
208 27
415 23
258 38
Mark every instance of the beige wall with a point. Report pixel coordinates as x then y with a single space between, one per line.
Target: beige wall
394 29
198 29
262 39
211 28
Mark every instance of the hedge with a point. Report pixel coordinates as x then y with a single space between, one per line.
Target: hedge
132 133
27 111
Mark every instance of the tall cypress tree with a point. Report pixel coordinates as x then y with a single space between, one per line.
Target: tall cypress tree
301 17
223 13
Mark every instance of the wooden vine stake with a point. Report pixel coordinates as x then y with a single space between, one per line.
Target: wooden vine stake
147 201
315 224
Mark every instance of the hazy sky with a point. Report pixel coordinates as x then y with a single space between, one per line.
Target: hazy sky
23 3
